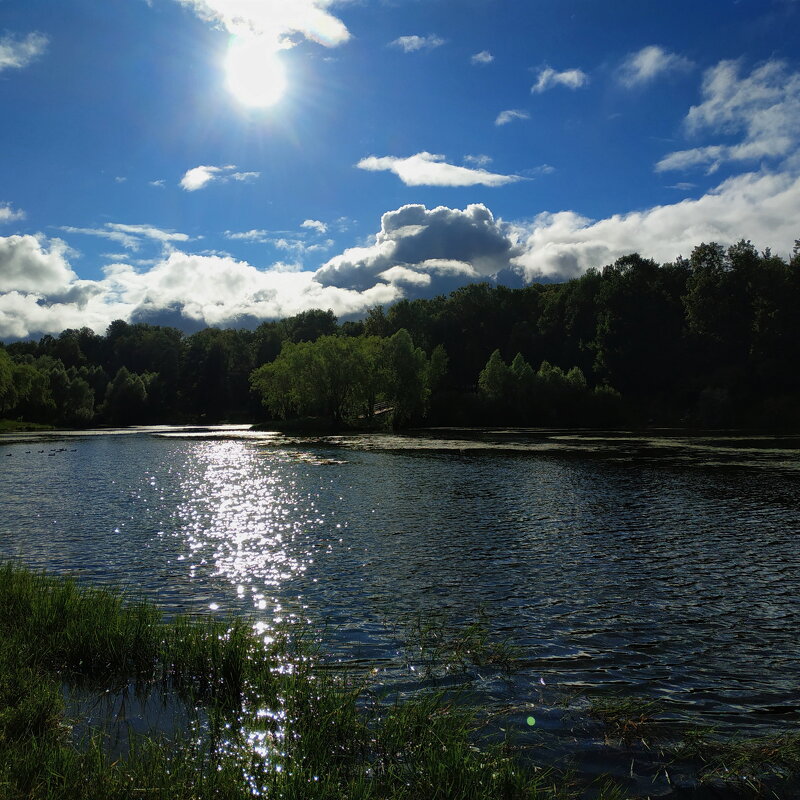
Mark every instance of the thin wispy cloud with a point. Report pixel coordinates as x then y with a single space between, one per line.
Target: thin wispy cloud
129 236
479 160
285 240
549 78
535 172
504 117
683 186
253 235
484 57
17 52
200 177
412 44
649 63
428 169
762 107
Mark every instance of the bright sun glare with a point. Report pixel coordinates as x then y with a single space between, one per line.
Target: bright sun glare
255 73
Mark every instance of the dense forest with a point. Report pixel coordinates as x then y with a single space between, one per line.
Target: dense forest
712 340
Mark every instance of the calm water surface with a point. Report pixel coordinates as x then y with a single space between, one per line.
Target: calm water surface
648 565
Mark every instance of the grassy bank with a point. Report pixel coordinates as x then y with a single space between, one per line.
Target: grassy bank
263 719
16 426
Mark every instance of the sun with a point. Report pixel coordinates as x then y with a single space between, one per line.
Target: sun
256 76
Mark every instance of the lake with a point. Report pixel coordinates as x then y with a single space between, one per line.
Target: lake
659 565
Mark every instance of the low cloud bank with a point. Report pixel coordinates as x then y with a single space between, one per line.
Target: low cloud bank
417 252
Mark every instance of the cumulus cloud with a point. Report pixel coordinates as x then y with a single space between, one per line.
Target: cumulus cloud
417 252
9 214
18 52
549 78
129 236
649 63
199 177
504 117
421 240
315 225
274 21
428 169
763 108
758 206
27 265
484 57
192 291
411 44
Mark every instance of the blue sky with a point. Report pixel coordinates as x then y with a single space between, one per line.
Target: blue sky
156 167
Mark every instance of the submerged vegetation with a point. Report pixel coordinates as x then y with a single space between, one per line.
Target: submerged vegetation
709 340
263 719
627 718
758 764
244 715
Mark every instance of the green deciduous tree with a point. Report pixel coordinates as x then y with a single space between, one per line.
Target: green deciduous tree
126 398
407 380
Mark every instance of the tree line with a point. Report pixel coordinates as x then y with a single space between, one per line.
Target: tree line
712 339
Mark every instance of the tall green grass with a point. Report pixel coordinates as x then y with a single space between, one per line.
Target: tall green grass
265 721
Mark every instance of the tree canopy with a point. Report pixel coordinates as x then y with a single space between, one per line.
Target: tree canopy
712 339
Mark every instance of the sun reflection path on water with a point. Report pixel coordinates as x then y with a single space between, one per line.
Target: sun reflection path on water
244 519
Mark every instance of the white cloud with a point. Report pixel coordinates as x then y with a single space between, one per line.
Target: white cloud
549 78
199 177
647 64
479 160
148 232
16 52
255 235
504 117
244 177
127 241
417 252
129 236
26 265
181 288
8 214
763 108
421 240
411 44
484 57
159 184
427 169
283 240
542 169
274 21
315 225
758 206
